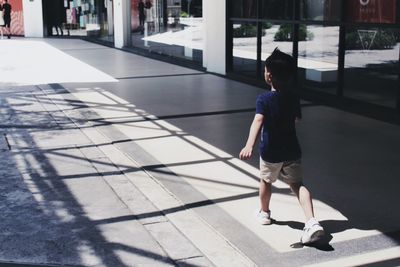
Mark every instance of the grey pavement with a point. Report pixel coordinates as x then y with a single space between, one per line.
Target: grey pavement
135 164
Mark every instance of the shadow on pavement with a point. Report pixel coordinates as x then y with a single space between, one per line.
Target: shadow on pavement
42 220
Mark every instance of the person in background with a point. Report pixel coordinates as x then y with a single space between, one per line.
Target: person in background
1 21
6 8
142 16
149 16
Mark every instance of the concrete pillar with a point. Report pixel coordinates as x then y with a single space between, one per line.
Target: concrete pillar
33 18
214 52
122 22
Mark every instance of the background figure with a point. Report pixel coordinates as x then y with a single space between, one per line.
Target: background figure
56 24
142 16
59 17
149 16
6 8
1 21
55 16
50 16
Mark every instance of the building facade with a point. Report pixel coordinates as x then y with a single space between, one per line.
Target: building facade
346 50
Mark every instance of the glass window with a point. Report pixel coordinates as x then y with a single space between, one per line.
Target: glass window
318 57
244 8
277 9
92 18
322 10
371 11
372 65
168 27
275 36
245 49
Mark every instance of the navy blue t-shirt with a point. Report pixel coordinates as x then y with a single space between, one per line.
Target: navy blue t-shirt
278 136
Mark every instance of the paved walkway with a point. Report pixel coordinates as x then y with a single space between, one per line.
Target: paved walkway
112 159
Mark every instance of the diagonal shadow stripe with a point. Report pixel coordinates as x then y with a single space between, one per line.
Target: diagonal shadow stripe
159 76
175 209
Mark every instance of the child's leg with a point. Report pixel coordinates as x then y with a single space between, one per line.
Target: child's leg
269 173
304 197
265 195
312 231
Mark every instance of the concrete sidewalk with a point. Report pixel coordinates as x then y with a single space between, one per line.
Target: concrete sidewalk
136 164
66 199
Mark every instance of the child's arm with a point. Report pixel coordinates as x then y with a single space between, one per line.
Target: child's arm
251 140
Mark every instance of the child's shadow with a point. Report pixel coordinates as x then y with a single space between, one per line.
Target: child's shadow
330 226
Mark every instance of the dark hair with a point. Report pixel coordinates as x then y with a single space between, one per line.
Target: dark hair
148 4
281 66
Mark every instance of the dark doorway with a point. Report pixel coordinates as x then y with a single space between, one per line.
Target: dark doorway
54 17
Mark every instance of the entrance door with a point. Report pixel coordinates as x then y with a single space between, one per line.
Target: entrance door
54 16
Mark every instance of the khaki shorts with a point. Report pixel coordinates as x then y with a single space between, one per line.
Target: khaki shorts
288 171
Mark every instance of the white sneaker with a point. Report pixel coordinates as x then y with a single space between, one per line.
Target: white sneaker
264 217
312 232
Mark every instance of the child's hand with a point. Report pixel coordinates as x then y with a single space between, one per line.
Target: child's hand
246 153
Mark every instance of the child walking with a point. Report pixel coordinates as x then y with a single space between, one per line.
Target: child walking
277 111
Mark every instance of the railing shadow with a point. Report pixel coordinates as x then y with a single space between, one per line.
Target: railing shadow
43 221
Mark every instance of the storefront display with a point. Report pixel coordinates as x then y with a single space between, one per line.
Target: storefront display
345 49
168 27
82 14
90 18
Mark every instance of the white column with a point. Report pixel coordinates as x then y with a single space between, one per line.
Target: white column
214 52
33 18
122 22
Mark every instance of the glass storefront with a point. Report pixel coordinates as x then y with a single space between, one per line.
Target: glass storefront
318 57
372 65
245 48
344 48
245 45
86 18
168 27
276 35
